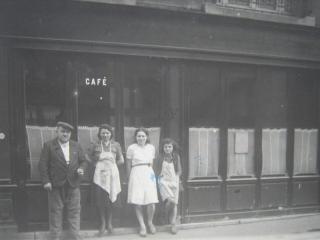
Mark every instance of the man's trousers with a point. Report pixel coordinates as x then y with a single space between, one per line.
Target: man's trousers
68 198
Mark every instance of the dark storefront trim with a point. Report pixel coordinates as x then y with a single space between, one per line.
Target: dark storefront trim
156 51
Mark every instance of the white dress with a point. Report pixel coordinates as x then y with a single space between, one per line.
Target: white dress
142 187
169 182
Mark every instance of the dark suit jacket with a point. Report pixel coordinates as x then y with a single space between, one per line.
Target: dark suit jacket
54 168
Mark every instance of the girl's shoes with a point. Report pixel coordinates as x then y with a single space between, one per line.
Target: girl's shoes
174 229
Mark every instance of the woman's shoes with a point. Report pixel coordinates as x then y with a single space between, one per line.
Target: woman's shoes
143 232
174 229
101 232
110 230
152 229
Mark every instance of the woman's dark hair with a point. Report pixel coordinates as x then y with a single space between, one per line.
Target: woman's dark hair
105 126
175 151
141 129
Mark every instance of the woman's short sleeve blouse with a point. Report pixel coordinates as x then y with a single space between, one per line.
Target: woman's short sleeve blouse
139 154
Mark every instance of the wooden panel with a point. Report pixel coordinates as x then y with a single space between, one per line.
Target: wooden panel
204 199
305 193
240 197
6 207
273 195
37 204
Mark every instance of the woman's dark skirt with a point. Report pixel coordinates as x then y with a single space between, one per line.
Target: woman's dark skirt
102 200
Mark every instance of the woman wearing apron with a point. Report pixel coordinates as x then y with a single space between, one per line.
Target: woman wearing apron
106 154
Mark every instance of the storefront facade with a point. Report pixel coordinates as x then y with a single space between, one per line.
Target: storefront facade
241 97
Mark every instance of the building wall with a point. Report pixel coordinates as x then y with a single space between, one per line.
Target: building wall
187 45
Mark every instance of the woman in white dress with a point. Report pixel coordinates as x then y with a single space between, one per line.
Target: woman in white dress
142 188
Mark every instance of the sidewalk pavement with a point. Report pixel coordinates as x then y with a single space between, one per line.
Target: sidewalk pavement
293 227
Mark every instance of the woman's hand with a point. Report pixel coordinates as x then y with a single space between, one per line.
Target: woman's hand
120 161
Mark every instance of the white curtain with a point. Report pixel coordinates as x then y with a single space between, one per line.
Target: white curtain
36 137
274 146
87 135
203 152
240 152
305 151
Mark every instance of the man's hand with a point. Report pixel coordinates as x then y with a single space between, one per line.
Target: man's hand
47 186
80 171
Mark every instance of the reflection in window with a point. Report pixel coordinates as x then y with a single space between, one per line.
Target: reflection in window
274 142
204 117
305 151
142 93
203 152
47 101
240 99
142 99
240 152
45 83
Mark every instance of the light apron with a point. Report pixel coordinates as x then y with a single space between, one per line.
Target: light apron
106 174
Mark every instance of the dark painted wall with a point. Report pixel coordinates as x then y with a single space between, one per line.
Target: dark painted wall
5 173
134 25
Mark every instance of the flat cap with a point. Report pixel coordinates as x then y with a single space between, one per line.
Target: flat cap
65 125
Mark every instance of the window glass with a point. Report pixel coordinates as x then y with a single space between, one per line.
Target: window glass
204 121
305 151
240 152
48 99
96 97
272 113
267 4
240 2
303 92
241 121
241 102
142 98
203 152
274 146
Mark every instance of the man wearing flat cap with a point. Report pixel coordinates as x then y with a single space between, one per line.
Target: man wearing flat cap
62 164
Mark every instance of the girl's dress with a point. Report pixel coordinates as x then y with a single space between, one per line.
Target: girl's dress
142 188
169 182
106 175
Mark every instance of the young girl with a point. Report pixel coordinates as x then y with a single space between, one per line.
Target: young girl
169 179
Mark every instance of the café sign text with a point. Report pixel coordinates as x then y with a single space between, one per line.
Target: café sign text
103 82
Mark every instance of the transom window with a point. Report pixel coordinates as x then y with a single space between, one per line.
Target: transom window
276 6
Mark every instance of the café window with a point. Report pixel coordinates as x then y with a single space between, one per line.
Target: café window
96 97
272 116
204 121
142 97
304 92
49 98
240 112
